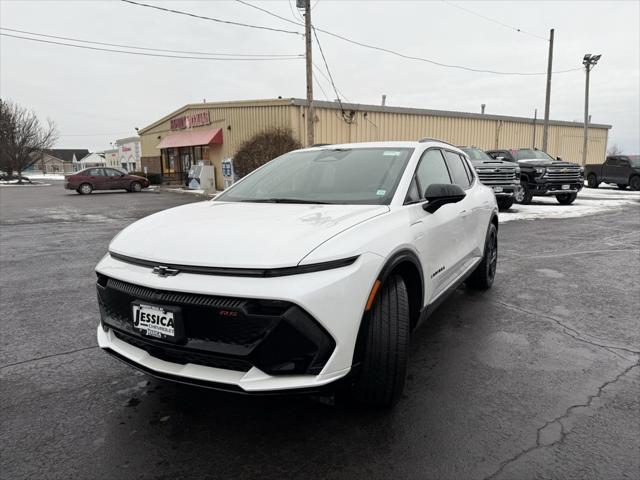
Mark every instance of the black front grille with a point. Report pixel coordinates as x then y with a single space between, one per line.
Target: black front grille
567 175
181 356
276 336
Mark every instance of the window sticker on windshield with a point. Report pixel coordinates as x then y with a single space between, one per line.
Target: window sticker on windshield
380 193
391 153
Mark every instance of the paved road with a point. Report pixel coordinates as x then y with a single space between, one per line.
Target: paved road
537 378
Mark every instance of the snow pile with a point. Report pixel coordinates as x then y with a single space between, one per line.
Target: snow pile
589 202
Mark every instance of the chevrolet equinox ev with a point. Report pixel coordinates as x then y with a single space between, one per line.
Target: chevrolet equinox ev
308 274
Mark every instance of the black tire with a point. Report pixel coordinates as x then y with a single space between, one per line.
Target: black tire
380 379
135 187
634 183
592 181
485 273
505 203
566 198
85 189
622 186
527 196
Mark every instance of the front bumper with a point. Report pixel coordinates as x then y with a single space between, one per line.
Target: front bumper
334 300
542 187
503 191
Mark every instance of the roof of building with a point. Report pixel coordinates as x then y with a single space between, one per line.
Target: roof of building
66 154
122 141
361 107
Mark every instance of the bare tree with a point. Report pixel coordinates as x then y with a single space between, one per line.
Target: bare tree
614 150
23 139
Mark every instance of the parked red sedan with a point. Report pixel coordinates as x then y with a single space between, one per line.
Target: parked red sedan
101 178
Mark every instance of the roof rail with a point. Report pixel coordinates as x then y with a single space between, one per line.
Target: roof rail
428 139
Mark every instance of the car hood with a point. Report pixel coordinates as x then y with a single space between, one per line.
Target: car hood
238 234
537 162
492 163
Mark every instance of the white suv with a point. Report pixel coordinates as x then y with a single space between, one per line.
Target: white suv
312 269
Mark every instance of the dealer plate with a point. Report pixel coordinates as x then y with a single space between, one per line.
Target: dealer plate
566 187
497 189
154 321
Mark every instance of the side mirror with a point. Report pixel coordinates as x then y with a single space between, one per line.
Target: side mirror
122 175
559 159
439 194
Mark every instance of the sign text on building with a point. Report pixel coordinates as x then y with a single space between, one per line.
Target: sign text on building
188 121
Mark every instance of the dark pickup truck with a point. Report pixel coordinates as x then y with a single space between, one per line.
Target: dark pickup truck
541 174
622 170
501 176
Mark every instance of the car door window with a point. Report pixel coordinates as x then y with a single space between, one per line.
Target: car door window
431 169
457 169
469 169
112 173
612 162
95 172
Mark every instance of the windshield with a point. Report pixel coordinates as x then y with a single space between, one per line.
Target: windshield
476 154
530 154
345 176
634 160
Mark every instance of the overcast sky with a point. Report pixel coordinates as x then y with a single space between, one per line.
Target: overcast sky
96 97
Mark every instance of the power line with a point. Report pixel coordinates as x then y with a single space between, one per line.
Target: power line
324 59
147 48
327 79
202 17
148 54
519 30
326 97
405 56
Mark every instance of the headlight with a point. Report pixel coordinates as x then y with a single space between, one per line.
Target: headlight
540 170
582 171
517 170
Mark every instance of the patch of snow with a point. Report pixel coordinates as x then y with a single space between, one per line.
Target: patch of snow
45 176
590 201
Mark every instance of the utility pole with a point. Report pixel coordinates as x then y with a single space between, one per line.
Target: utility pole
547 100
588 61
535 119
311 111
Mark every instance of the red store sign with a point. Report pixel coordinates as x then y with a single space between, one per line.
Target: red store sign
188 121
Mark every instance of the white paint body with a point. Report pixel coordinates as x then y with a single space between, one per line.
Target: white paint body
267 235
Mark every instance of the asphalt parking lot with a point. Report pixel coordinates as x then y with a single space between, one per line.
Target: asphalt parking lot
537 378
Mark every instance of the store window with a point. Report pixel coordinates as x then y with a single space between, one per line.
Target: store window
169 160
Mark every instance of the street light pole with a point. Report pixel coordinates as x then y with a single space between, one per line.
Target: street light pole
589 61
547 99
309 71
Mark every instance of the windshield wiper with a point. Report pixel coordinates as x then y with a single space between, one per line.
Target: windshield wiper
285 200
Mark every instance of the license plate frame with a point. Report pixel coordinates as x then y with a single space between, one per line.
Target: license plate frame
158 329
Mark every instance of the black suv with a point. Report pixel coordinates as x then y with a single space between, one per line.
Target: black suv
503 177
541 174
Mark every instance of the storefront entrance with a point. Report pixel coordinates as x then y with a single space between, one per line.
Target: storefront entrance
181 151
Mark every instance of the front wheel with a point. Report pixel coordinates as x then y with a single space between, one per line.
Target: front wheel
505 203
592 181
85 189
634 183
380 379
135 187
485 273
525 197
566 198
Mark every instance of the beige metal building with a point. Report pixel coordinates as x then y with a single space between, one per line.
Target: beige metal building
212 132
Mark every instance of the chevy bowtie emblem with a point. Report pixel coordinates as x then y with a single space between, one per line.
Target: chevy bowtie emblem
163 271
564 170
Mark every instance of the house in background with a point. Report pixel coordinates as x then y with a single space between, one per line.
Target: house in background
60 160
111 158
129 154
91 160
